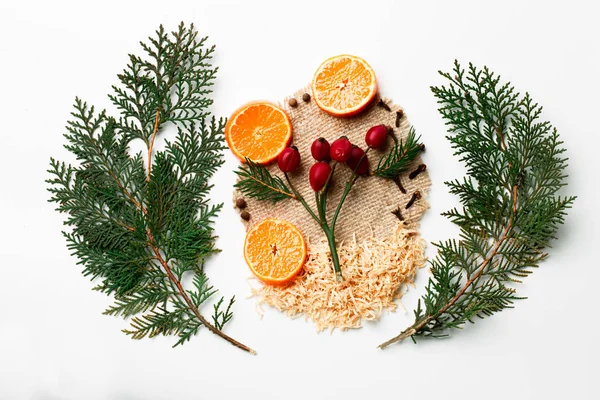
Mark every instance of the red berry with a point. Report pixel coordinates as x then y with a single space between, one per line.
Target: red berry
341 149
320 149
355 156
376 136
318 175
289 159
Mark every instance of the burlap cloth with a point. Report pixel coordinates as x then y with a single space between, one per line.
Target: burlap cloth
368 208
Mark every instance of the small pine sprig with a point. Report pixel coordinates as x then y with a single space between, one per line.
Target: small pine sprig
140 228
399 158
256 181
510 207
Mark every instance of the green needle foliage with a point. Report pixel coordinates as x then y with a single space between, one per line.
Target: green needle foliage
256 181
399 158
510 204
139 229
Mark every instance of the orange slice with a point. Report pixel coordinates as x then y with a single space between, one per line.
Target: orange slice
344 85
275 251
259 131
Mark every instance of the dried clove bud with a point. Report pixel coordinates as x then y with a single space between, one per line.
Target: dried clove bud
422 145
306 97
245 215
398 214
240 203
293 102
399 184
399 115
416 196
417 171
383 105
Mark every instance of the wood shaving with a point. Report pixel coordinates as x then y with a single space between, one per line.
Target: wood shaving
376 273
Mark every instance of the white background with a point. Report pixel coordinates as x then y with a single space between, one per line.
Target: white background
54 342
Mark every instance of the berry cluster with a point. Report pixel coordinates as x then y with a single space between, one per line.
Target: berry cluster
341 151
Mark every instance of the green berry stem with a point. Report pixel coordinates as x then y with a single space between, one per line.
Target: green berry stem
301 199
334 255
322 221
347 189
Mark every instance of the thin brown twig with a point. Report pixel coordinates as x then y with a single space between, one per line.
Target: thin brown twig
151 145
189 302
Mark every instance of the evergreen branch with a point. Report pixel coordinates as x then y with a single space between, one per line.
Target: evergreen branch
141 301
400 156
187 332
160 322
140 229
185 151
510 210
220 317
170 84
191 305
202 291
257 182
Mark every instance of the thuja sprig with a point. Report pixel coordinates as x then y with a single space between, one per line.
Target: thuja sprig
261 184
256 181
510 206
137 226
398 159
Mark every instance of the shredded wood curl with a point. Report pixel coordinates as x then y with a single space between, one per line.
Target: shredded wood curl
376 273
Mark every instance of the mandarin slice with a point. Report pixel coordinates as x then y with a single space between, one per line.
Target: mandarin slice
258 131
344 85
275 251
